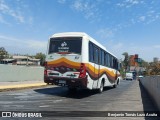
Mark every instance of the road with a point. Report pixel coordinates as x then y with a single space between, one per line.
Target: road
128 96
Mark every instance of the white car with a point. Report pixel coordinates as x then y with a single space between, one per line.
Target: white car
129 76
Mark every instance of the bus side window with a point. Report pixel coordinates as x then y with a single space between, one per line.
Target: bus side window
111 61
100 56
116 64
96 54
103 57
107 60
91 52
105 63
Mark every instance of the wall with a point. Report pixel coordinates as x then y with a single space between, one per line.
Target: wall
11 73
152 85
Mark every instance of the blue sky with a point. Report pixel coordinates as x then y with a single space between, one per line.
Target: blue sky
131 26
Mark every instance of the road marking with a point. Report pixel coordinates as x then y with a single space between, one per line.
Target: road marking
44 106
56 101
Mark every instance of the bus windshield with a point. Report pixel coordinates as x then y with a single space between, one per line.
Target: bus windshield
69 45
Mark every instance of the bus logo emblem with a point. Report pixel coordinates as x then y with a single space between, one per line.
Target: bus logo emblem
64 44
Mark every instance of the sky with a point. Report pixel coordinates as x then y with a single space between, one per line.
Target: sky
131 26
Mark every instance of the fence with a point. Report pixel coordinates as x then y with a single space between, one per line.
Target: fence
14 73
152 85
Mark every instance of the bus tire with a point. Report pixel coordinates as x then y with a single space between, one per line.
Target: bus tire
100 90
116 84
47 83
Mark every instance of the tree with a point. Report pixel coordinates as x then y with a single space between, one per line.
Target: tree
144 64
154 68
40 56
3 53
126 60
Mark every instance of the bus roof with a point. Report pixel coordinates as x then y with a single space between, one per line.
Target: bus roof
67 34
80 34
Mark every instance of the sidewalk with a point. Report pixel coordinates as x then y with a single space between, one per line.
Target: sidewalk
4 86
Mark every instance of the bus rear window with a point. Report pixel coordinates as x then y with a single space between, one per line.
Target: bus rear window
65 44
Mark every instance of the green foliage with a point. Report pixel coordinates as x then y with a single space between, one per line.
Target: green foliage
40 56
3 53
126 60
143 64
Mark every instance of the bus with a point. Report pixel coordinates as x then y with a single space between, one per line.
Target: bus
76 60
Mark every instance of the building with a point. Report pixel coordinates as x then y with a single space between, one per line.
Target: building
21 60
8 61
26 60
133 61
135 64
155 59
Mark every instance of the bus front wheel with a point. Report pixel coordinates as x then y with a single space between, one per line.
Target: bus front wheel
115 85
100 90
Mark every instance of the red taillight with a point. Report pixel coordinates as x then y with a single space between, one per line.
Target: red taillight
82 71
45 69
63 52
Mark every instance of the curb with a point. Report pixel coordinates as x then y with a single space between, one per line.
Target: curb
21 86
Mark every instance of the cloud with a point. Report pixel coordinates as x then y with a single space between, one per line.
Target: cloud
129 3
142 18
105 33
156 46
146 14
62 1
152 16
118 46
3 21
87 8
96 10
149 17
35 44
145 52
6 10
23 45
19 12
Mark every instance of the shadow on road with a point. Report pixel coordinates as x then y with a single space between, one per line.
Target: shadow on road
63 92
147 102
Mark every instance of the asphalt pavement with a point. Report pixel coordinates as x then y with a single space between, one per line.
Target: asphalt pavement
128 96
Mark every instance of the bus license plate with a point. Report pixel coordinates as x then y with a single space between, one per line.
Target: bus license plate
62 81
